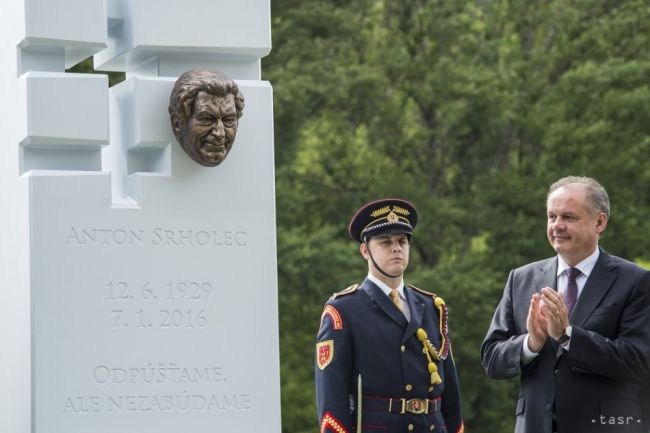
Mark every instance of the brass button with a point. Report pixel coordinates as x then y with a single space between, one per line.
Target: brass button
411 427
432 428
424 350
430 389
403 348
409 387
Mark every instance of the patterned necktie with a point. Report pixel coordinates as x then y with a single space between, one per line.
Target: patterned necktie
394 295
571 295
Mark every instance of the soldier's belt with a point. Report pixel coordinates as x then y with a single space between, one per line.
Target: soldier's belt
402 405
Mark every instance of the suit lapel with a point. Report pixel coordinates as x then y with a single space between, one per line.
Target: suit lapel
600 280
380 299
546 277
417 309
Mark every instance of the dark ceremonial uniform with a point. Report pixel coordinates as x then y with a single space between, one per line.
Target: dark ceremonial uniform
363 332
408 374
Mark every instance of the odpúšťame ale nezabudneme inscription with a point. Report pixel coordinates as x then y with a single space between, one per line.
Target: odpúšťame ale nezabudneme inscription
165 373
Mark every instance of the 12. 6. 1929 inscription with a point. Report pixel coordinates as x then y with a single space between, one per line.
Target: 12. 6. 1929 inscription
170 291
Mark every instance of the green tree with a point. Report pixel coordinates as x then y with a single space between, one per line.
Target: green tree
469 109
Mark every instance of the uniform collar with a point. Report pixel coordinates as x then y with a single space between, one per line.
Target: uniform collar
385 288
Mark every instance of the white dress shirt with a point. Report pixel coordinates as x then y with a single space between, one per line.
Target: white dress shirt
386 289
585 266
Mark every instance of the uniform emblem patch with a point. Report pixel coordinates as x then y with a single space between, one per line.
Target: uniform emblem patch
334 315
324 353
332 424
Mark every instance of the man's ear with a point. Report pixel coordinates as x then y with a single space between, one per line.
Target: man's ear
601 222
176 125
364 250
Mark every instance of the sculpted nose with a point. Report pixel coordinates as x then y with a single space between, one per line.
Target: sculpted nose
218 129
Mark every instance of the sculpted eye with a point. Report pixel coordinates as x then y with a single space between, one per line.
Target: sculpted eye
230 121
204 118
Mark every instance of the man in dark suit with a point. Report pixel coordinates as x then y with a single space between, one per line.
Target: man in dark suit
394 337
575 327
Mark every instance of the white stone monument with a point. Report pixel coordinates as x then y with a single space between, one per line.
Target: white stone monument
139 288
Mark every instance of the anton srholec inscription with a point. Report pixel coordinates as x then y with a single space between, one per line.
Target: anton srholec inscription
158 237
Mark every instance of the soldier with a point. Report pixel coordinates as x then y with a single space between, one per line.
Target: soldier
383 355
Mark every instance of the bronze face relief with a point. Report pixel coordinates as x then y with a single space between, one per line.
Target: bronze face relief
204 108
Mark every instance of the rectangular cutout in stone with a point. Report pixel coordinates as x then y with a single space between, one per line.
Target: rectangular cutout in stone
149 159
60 158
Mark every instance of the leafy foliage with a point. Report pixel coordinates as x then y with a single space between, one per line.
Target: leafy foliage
86 67
470 110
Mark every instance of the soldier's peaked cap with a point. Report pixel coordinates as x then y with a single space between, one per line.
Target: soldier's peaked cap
382 217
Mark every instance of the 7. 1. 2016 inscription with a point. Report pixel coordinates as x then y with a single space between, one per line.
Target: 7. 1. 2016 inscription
164 318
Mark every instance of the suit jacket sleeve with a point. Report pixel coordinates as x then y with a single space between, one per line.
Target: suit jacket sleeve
502 348
625 356
334 380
